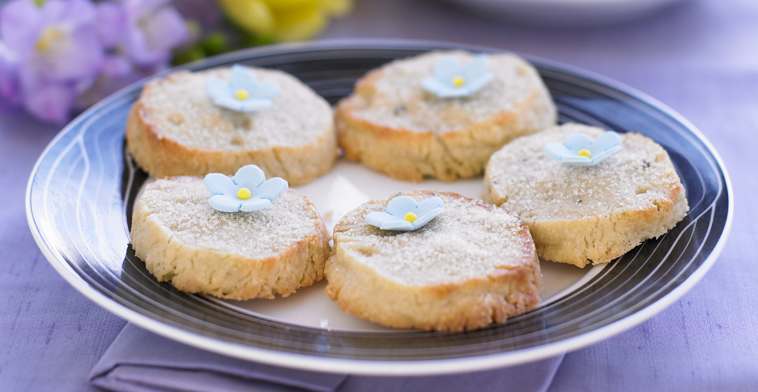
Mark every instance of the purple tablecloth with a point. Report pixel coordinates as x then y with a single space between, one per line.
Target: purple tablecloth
700 58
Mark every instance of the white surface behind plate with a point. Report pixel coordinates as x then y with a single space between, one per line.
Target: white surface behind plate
347 186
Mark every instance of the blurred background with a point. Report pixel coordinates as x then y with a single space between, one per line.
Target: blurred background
56 60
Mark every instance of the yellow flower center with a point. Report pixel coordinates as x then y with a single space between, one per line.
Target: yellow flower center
241 94
584 153
244 193
410 217
458 81
50 36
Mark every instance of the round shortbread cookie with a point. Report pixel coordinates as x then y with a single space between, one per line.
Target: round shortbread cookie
472 266
393 125
174 129
587 215
263 254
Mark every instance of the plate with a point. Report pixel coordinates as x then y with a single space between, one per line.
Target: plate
80 193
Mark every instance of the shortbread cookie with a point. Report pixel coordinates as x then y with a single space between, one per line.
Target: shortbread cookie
471 266
587 215
262 254
175 129
392 124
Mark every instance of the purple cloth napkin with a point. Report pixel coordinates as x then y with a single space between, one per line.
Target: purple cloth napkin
140 361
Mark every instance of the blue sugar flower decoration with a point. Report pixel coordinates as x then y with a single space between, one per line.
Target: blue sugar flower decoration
580 150
242 92
403 213
452 79
247 191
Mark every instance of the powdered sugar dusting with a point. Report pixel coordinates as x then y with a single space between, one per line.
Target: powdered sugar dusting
179 108
537 187
395 98
469 239
181 205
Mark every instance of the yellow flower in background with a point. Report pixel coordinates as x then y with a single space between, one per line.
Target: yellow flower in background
284 20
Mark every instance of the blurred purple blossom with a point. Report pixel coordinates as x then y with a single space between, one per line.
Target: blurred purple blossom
9 89
57 39
57 54
137 37
142 31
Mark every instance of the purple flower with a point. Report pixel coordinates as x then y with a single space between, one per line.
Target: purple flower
48 101
9 83
111 23
54 54
57 39
138 37
143 31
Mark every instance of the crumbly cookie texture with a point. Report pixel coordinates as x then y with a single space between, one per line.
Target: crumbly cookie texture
587 215
472 266
393 125
240 256
174 129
